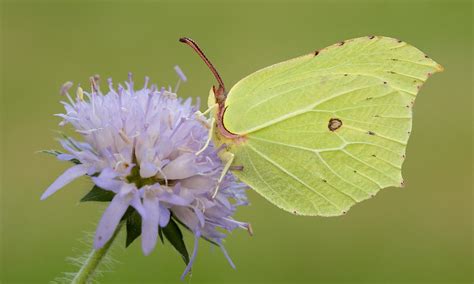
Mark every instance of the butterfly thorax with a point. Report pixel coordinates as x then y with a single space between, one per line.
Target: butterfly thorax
223 139
218 97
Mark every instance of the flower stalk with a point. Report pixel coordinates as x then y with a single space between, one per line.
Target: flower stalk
90 265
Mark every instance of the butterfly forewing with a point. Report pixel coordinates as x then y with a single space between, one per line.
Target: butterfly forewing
329 129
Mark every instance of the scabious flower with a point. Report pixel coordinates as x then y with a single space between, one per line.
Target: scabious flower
143 145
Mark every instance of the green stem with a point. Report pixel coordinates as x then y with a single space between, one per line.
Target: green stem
86 273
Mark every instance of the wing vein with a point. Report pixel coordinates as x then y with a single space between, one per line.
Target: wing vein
370 123
268 185
368 165
413 62
364 106
365 176
305 110
312 150
293 176
340 177
373 144
389 163
378 135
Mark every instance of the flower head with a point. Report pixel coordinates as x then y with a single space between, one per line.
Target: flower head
143 146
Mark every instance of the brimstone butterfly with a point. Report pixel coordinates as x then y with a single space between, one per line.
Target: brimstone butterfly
319 133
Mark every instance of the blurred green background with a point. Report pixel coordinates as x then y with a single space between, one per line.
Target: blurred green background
419 234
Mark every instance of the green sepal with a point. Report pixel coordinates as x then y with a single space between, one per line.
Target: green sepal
98 194
160 234
173 234
51 152
69 139
56 153
134 227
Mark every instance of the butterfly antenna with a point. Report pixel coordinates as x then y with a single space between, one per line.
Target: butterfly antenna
198 50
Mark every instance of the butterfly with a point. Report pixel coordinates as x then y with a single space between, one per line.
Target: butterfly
319 133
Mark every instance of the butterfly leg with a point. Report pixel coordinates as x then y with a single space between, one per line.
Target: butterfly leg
200 116
207 111
228 158
203 121
236 168
208 124
209 137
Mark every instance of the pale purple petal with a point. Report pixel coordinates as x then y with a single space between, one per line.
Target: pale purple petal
68 176
107 184
112 215
200 216
150 222
107 181
108 173
181 167
148 169
199 182
224 251
210 232
180 73
164 216
174 199
187 216
137 203
197 235
224 201
65 157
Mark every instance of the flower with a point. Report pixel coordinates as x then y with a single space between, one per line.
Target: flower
143 145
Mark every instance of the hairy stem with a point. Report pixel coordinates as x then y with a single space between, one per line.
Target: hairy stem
88 269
